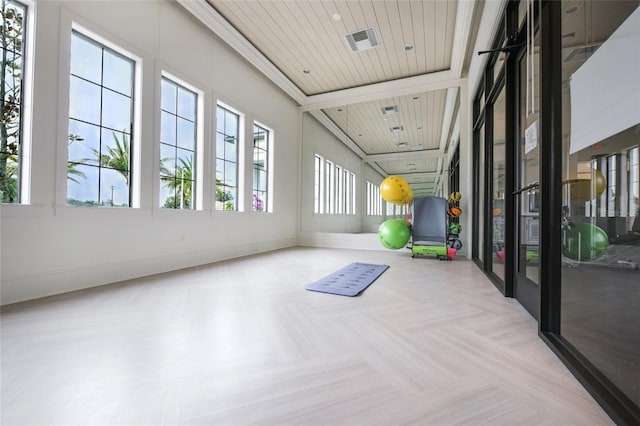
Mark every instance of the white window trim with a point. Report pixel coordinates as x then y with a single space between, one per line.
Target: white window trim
199 152
241 166
70 22
270 165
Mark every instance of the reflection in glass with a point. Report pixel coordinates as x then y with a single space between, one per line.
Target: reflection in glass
481 195
497 186
529 150
600 239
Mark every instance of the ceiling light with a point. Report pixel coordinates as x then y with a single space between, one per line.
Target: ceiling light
336 17
408 47
306 71
401 144
415 98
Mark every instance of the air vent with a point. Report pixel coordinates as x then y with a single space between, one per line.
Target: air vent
389 110
581 54
396 129
362 40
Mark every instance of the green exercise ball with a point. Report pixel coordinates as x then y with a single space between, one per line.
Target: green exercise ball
394 234
584 241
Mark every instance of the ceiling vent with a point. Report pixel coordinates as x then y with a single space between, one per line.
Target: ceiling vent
396 129
581 54
389 110
362 40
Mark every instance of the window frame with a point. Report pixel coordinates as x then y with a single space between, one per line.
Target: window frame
197 196
135 123
268 197
239 197
23 190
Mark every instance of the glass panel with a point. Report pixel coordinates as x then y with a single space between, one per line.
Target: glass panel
87 59
231 124
167 128
260 159
262 180
115 150
220 113
219 145
84 142
481 196
184 164
84 100
230 149
12 77
220 172
117 73
601 252
186 104
497 186
168 193
168 95
167 160
186 134
528 253
114 188
82 185
260 138
116 111
229 173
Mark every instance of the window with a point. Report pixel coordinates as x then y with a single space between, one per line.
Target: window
261 168
329 187
339 191
318 200
101 108
374 201
334 188
634 182
351 194
227 149
13 41
178 112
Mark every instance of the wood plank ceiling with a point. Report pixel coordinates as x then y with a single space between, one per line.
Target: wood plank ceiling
305 41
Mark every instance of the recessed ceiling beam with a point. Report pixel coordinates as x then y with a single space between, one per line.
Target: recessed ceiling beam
407 155
373 92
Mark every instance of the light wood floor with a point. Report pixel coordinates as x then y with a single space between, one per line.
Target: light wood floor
242 342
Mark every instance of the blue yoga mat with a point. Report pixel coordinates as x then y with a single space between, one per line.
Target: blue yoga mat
350 280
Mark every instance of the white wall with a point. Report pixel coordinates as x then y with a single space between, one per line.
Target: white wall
318 140
49 248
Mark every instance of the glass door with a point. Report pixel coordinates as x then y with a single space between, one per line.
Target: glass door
527 183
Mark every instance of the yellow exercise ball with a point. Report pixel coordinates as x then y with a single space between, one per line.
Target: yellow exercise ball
587 189
395 189
409 196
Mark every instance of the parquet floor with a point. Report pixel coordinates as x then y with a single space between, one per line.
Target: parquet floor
242 343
